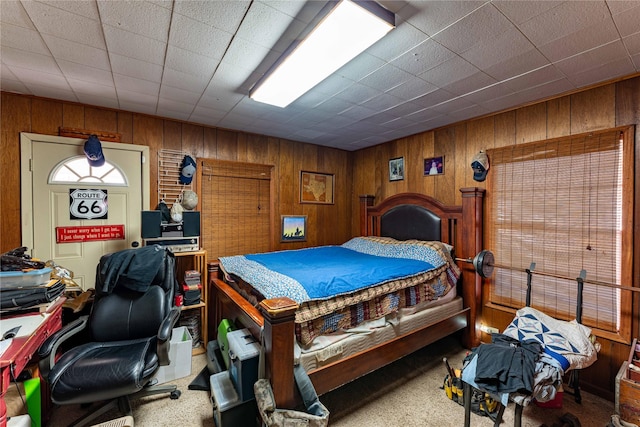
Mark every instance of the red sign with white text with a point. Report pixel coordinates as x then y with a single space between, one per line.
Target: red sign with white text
90 233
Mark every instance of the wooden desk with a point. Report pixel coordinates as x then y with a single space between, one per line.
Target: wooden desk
22 349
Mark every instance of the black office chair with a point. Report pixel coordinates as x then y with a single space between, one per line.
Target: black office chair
128 329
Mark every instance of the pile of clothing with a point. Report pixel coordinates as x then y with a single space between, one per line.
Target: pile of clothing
527 361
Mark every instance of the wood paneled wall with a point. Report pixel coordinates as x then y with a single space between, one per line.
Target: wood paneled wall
326 224
362 172
607 106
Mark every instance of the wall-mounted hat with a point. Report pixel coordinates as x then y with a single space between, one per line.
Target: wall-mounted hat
480 165
187 170
93 151
189 200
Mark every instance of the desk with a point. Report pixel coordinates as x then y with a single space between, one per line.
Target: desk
22 349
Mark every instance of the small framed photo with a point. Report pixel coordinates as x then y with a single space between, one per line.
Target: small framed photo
316 188
434 166
396 169
294 228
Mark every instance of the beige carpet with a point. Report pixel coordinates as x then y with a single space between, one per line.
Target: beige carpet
404 394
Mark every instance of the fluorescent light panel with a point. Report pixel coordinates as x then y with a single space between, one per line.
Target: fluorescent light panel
343 34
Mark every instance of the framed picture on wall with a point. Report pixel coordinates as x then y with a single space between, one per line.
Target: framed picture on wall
316 187
434 166
294 228
396 169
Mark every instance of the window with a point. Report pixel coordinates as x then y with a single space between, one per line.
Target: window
235 207
77 169
566 205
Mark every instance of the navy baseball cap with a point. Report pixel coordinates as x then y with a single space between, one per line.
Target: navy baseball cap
480 165
93 151
187 170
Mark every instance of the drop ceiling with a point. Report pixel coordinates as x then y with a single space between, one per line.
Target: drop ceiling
195 61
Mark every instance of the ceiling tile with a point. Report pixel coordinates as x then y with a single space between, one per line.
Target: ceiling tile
565 19
76 52
435 16
607 71
189 62
12 12
85 73
520 12
423 57
195 36
534 78
580 41
224 15
29 60
126 43
135 68
22 38
58 22
593 58
185 81
625 18
450 71
481 26
138 86
139 17
180 95
386 78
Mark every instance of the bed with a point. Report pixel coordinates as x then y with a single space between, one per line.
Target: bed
401 217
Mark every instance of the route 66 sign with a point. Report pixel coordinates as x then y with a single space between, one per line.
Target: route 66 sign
88 204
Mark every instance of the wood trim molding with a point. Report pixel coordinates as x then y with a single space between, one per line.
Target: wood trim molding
86 133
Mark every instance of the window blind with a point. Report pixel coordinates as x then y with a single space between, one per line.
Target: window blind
235 207
559 204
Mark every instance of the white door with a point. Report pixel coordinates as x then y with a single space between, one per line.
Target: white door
73 213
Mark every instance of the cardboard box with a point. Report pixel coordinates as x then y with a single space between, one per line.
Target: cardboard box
179 355
628 392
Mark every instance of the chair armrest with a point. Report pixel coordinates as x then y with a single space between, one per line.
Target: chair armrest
47 351
164 335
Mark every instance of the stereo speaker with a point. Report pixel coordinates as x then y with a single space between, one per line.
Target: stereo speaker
191 223
151 224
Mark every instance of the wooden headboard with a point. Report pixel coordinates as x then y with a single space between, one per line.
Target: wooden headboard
418 216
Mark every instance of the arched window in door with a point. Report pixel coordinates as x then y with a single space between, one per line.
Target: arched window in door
77 169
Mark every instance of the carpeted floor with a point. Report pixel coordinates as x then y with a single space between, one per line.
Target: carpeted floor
406 393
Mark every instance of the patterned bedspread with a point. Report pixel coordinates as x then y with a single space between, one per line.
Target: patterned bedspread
317 316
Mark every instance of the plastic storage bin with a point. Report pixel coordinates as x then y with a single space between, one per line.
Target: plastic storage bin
179 356
228 409
17 279
215 363
244 352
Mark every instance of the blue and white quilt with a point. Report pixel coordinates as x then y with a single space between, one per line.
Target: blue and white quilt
567 342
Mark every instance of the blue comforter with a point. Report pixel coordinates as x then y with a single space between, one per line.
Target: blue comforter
327 271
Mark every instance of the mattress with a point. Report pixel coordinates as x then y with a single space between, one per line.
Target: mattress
327 349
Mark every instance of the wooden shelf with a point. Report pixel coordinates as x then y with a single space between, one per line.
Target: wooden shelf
196 260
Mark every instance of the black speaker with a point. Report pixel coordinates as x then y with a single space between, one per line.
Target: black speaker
191 223
151 224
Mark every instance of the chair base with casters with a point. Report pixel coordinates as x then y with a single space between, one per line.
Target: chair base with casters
123 404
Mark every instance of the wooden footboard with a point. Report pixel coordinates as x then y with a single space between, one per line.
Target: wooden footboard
276 316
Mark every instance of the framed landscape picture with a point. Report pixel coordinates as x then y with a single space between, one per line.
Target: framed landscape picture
316 187
294 228
396 169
